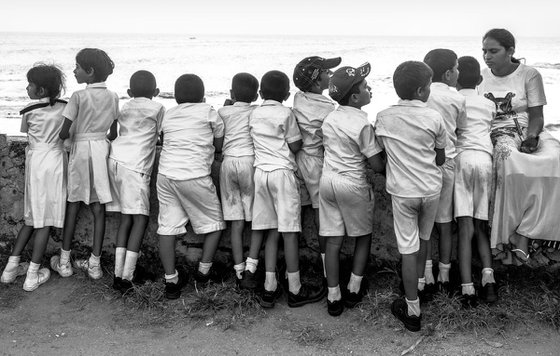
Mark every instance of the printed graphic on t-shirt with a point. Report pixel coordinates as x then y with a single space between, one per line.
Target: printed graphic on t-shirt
504 109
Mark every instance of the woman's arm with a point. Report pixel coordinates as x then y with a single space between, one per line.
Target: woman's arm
536 122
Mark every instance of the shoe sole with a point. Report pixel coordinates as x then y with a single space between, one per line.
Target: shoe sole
267 305
35 286
407 325
304 302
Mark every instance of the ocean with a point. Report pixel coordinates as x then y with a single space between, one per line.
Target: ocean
216 59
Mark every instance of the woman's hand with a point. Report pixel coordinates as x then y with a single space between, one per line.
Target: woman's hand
530 144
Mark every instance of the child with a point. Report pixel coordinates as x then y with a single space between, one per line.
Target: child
130 168
414 138
192 132
346 199
91 112
451 105
45 174
473 177
236 172
311 76
276 138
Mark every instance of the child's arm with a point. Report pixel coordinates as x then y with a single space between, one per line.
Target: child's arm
440 156
295 146
65 132
112 131
378 162
292 134
218 143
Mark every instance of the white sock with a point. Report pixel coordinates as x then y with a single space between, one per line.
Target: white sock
324 266
129 265
354 283
172 278
64 256
421 283
120 253
270 282
413 307
204 267
334 294
487 276
428 273
33 268
94 260
251 264
239 268
13 263
294 283
443 275
467 289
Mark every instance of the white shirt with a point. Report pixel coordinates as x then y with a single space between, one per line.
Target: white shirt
409 133
473 131
272 127
93 109
139 122
43 125
310 110
451 106
526 87
189 130
237 139
349 140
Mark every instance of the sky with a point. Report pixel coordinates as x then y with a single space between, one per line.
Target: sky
291 17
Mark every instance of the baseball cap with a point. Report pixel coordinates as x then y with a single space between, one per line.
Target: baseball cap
344 78
308 69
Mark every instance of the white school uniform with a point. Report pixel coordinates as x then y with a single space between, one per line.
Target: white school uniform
185 189
451 106
409 132
310 110
237 185
92 111
132 156
277 202
45 165
346 199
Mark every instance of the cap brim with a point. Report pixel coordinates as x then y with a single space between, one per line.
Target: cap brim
363 70
330 63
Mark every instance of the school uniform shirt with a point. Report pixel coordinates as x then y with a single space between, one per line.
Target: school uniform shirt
310 110
188 149
139 122
273 126
513 94
409 132
237 139
451 106
473 130
349 139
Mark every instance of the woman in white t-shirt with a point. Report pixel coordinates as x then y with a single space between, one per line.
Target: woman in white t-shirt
526 169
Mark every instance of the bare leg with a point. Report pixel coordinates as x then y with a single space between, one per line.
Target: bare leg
139 224
22 239
481 232
361 254
237 240
72 210
466 232
98 211
271 250
444 230
322 239
167 253
257 237
123 232
210 246
332 260
40 244
291 251
422 256
410 275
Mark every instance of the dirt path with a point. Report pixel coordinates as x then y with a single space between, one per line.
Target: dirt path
65 317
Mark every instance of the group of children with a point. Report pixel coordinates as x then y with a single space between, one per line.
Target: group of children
433 146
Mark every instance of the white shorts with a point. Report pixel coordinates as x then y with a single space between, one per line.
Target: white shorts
237 187
194 200
473 178
413 219
309 169
130 190
276 204
445 207
345 207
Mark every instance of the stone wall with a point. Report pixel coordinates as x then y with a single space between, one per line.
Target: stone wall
189 247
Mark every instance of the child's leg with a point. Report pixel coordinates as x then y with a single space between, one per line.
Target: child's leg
252 261
270 259
40 244
321 239
466 232
72 210
410 275
13 268
237 240
139 224
209 248
444 230
22 239
360 259
125 225
35 275
481 232
332 259
98 211
167 253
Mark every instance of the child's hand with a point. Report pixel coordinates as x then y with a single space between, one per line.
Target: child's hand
529 145
228 102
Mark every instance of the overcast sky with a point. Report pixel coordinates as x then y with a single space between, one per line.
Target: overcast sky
313 17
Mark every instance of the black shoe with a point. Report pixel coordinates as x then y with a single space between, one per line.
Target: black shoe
468 301
126 286
399 308
335 308
352 299
199 277
445 288
117 281
267 298
249 281
173 290
305 296
427 294
489 293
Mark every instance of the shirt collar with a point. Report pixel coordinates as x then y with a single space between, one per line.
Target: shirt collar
352 110
468 92
315 96
439 85
270 102
100 85
415 102
241 103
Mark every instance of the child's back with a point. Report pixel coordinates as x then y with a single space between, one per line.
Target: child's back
237 139
473 130
310 110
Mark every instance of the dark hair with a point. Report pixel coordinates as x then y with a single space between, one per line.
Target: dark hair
49 77
142 84
98 60
275 85
504 38
244 87
469 72
354 90
409 76
440 60
189 88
